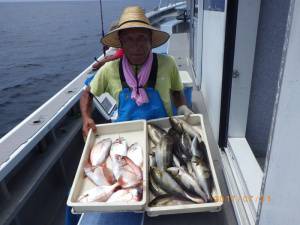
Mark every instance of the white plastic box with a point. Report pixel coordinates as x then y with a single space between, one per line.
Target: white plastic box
133 131
197 121
136 131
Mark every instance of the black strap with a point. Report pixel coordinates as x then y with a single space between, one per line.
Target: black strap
153 73
122 78
152 78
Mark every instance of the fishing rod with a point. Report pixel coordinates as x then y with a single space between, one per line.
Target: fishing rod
102 27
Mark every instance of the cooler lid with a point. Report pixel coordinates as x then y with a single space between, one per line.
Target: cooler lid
185 78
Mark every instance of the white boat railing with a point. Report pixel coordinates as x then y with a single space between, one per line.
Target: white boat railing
168 3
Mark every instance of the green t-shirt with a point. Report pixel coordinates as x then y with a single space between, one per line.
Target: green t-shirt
107 79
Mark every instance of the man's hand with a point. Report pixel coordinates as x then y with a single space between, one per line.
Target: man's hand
184 110
98 64
179 101
88 123
86 109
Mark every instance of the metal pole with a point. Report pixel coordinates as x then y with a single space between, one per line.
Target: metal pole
102 27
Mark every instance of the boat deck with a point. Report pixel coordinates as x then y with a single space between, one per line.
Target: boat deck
226 216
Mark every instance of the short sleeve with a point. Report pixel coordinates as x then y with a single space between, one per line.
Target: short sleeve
176 83
99 83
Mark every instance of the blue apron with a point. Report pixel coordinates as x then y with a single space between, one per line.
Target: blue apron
129 110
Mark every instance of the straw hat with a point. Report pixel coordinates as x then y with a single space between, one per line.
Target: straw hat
134 17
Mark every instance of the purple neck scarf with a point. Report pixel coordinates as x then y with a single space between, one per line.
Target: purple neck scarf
136 83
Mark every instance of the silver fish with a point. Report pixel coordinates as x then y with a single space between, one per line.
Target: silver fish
173 133
181 125
135 153
185 144
183 158
187 181
99 193
125 195
119 147
137 193
118 164
155 133
176 161
177 149
167 183
126 172
163 154
152 161
108 163
190 130
99 175
135 168
119 196
128 179
189 169
154 188
100 151
153 149
198 149
168 200
176 125
202 174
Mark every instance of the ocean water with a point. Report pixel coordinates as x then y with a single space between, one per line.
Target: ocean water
44 45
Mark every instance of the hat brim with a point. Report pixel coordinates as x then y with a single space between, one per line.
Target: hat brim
159 37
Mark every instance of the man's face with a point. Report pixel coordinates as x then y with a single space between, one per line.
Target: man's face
136 43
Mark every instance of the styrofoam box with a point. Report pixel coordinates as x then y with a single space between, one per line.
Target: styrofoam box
132 131
196 120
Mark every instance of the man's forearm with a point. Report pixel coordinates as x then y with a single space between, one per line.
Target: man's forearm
110 58
177 98
179 102
86 104
100 63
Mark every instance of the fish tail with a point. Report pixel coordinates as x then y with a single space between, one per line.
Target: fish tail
194 199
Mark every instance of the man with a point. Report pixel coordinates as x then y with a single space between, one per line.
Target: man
143 83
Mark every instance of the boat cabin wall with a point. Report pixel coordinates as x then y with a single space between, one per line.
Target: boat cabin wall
266 70
207 36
